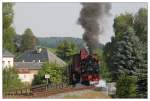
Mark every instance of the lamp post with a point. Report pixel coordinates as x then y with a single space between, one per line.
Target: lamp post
47 76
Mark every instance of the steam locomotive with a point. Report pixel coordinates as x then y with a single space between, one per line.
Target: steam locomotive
84 68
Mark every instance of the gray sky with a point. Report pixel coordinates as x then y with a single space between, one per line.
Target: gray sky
60 19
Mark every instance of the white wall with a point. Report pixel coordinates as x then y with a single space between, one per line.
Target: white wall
7 62
26 77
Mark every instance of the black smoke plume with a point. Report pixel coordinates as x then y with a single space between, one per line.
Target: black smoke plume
92 17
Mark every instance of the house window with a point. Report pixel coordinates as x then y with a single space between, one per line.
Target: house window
8 63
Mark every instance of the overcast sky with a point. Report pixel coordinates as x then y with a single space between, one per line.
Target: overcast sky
60 19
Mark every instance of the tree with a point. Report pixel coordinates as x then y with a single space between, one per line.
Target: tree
8 14
104 70
127 56
121 23
55 71
8 39
140 24
126 86
127 51
28 41
11 79
8 30
142 83
142 75
66 49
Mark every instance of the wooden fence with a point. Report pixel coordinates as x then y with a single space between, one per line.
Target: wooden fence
34 89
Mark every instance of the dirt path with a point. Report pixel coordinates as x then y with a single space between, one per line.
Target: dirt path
83 94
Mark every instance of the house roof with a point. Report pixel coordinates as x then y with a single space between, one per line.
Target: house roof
28 65
44 56
6 53
54 59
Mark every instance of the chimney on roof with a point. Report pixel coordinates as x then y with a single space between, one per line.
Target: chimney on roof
38 49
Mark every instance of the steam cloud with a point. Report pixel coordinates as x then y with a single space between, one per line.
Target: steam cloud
92 19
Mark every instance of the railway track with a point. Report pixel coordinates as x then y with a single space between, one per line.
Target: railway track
41 92
57 91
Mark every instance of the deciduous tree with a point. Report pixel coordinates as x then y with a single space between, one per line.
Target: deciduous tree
8 30
28 41
66 49
55 71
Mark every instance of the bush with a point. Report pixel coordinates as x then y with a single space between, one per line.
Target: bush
126 86
11 79
55 71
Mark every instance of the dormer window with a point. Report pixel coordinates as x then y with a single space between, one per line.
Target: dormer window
38 49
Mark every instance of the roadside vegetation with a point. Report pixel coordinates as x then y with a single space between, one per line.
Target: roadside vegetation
56 73
11 80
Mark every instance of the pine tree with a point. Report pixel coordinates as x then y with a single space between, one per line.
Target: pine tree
140 26
127 51
127 54
142 76
128 57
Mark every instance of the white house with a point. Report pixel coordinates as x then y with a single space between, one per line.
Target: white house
27 70
8 59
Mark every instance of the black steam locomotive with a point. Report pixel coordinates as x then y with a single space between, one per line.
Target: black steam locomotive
84 68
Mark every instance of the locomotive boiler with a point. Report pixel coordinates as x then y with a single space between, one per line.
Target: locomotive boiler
84 68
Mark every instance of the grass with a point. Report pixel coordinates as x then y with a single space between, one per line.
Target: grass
72 96
88 94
